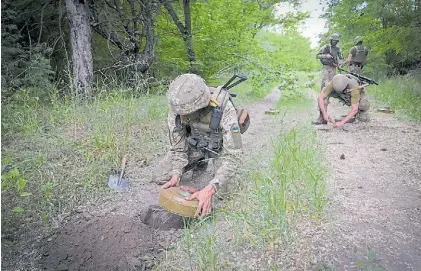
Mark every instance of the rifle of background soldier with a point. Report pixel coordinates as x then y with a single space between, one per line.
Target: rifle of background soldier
363 79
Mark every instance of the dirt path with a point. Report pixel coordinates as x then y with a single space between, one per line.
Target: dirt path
374 209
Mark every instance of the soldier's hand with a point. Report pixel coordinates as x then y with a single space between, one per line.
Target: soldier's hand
175 179
329 56
338 124
205 200
328 118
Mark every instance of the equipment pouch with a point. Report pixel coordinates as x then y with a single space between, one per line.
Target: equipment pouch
243 118
216 117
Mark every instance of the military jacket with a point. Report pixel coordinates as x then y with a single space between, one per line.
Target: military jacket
359 54
226 141
347 96
334 51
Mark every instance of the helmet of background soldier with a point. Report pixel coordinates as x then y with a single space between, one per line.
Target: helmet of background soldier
188 93
335 36
358 39
340 82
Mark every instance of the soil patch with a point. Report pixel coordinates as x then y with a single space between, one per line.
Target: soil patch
110 242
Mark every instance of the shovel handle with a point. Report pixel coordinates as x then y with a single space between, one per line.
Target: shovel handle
123 166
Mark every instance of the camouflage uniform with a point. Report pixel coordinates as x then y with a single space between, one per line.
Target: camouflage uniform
329 66
191 138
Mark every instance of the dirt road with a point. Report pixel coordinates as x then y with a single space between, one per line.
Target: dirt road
373 218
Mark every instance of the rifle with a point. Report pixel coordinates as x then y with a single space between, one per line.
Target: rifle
360 77
227 86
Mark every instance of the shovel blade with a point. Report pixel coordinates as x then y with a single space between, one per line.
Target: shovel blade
123 185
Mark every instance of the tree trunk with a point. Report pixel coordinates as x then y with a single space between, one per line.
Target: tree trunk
185 30
80 39
188 34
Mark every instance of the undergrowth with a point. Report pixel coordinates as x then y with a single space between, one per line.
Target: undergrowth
58 156
401 93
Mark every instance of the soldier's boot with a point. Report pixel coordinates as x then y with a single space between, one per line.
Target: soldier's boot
319 120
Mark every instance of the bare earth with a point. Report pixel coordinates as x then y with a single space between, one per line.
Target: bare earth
374 207
374 210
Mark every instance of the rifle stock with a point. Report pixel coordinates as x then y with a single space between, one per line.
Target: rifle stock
360 77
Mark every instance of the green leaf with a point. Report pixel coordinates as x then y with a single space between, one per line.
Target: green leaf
21 184
18 210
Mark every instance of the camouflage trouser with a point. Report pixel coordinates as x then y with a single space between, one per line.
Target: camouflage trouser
327 74
199 170
354 68
363 107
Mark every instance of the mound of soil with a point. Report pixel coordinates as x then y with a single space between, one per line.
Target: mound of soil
111 242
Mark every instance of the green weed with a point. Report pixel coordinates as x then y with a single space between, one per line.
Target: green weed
59 155
401 93
259 220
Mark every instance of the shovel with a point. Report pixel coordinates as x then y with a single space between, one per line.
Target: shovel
118 183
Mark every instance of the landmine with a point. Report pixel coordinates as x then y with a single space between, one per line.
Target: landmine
173 211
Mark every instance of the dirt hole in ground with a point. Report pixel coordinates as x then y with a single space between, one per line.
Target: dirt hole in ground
110 242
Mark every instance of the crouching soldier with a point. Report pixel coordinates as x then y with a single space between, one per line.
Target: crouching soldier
349 91
203 128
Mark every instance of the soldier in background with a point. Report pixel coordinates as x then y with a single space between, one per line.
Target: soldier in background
349 91
331 57
194 141
357 56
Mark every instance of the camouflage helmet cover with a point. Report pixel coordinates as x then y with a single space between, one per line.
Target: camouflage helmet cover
335 36
188 93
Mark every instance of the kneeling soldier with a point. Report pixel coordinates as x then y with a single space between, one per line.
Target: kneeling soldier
203 126
349 91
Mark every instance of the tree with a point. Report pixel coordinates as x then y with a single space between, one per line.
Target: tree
80 40
185 30
392 29
128 25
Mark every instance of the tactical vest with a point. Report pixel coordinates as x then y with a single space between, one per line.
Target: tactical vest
360 54
334 51
198 125
199 134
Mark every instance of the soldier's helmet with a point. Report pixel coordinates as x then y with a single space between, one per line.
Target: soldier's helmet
340 82
188 93
358 39
335 36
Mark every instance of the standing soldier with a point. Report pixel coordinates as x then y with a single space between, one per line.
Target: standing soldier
198 133
331 57
357 56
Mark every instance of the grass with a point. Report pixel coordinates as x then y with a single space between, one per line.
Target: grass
295 92
258 223
58 156
401 93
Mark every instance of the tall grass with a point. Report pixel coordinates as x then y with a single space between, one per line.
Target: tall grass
401 93
257 223
59 155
